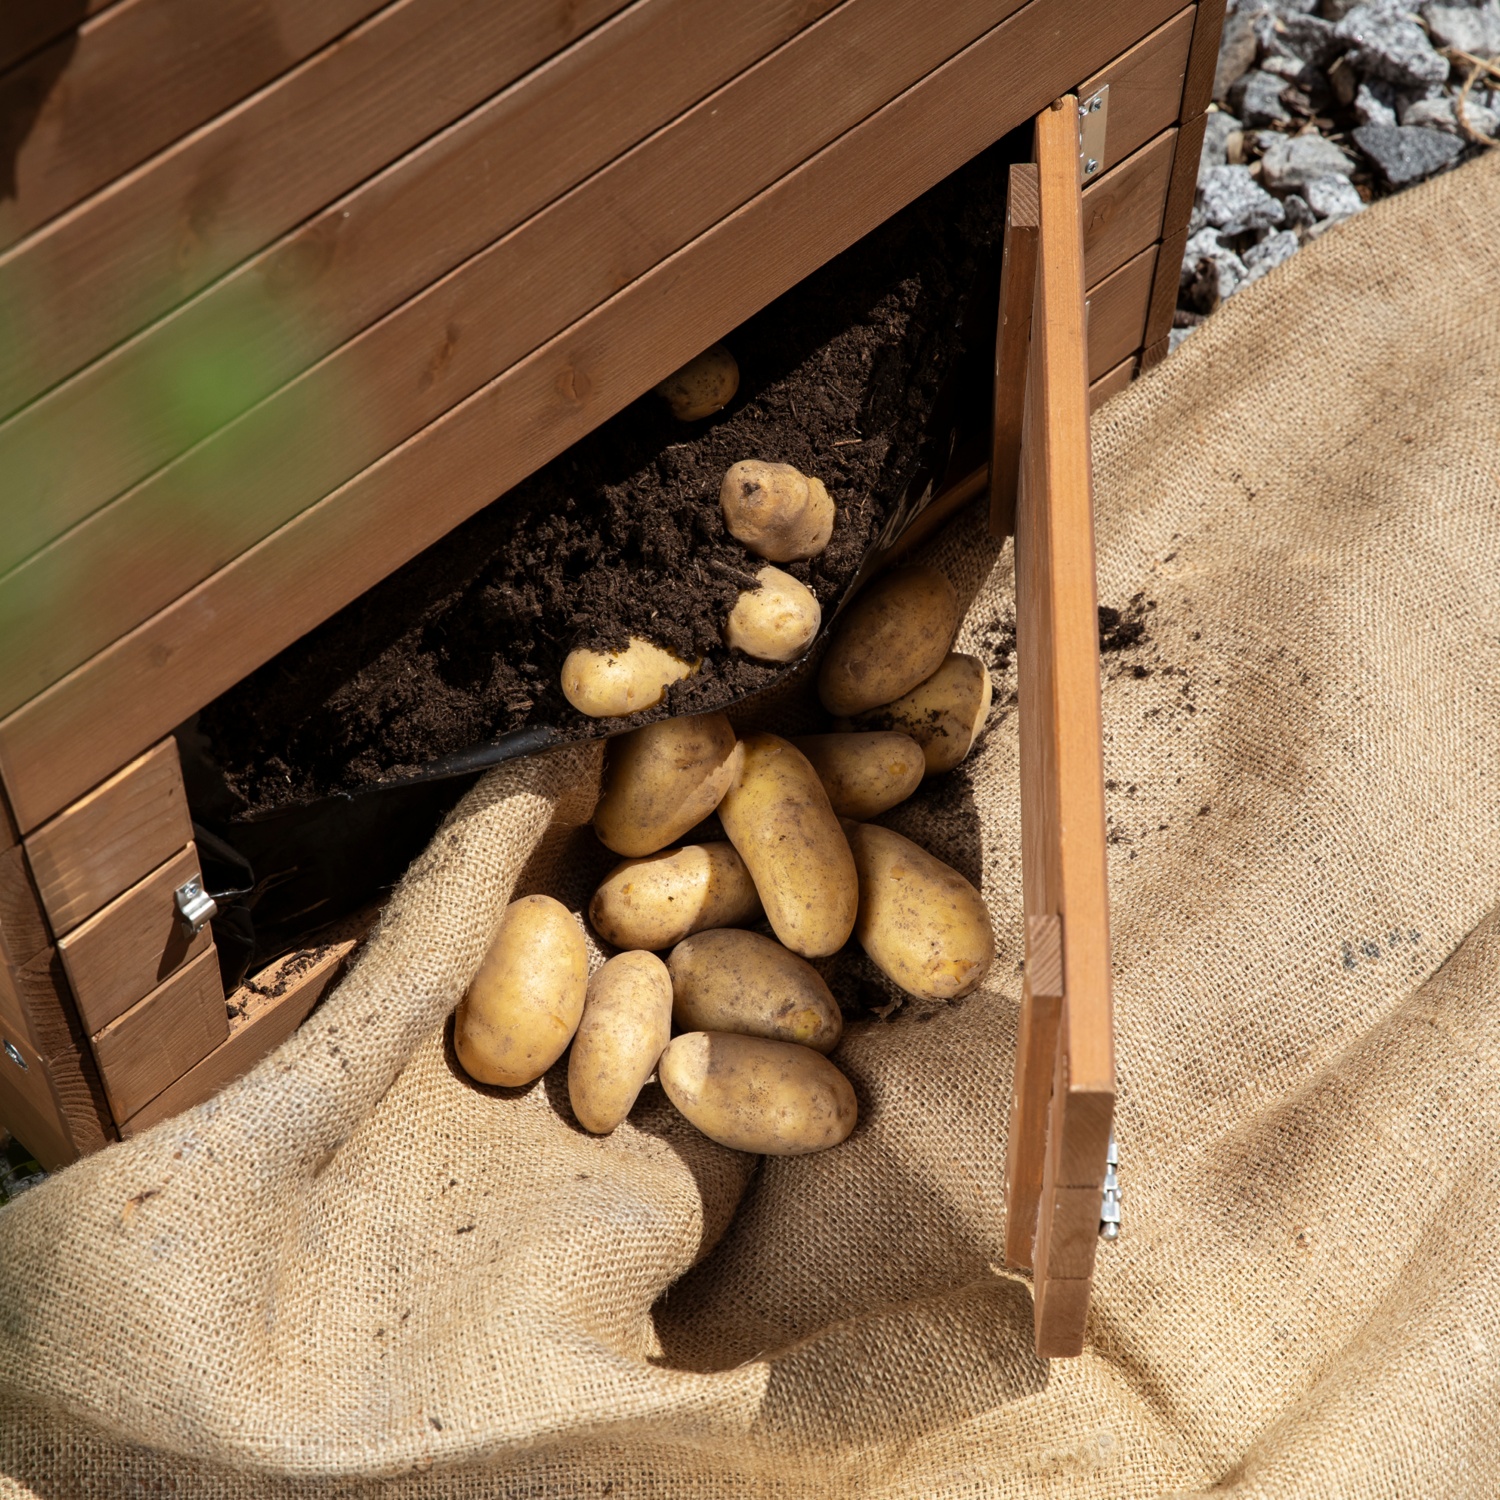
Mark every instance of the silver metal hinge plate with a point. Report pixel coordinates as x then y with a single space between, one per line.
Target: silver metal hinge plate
194 906
1109 1211
1093 121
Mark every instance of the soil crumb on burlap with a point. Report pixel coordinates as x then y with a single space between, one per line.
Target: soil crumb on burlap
850 376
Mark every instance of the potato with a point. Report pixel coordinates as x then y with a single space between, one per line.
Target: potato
728 980
864 774
608 684
927 929
943 715
704 385
752 1094
775 622
778 816
657 901
778 512
523 1005
894 635
627 1020
663 778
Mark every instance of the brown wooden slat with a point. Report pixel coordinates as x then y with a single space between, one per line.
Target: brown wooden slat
129 947
1117 313
438 348
1112 383
29 1109
23 924
1198 87
1145 87
159 1038
1013 344
265 1020
109 838
10 834
1122 210
1153 354
95 276
27 25
94 105
1164 288
336 549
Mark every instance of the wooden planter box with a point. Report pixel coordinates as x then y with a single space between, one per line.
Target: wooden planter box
474 232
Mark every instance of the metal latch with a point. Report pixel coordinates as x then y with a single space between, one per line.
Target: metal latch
13 1052
1109 1212
1093 119
194 906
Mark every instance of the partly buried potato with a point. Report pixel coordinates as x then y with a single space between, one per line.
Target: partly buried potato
775 621
627 1021
661 779
778 816
777 511
523 1005
610 684
924 925
943 715
894 635
659 900
752 1094
704 385
729 980
865 774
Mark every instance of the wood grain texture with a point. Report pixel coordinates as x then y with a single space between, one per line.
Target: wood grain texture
1164 287
1198 86
164 670
28 25
1122 210
368 252
130 946
437 349
159 1038
96 275
23 923
1013 344
1061 1312
265 1020
1117 313
1113 383
30 1110
10 834
1145 87
131 81
1153 354
110 837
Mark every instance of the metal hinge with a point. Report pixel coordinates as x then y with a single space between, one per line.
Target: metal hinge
1109 1212
195 906
1093 120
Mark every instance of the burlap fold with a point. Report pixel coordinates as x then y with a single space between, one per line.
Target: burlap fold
353 1274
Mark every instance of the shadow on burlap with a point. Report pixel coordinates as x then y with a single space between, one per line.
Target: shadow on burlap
355 1275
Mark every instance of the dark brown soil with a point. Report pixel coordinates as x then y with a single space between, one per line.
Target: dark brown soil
855 375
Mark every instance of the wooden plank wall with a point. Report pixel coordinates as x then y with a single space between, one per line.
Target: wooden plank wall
486 428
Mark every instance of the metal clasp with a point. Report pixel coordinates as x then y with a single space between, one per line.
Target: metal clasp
1109 1212
13 1052
1093 120
194 906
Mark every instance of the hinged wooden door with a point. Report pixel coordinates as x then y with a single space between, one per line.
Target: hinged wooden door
1064 1092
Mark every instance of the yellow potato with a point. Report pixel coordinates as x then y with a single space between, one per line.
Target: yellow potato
751 1094
943 715
729 980
703 385
894 635
657 901
523 1005
927 929
775 622
663 778
778 816
864 774
609 684
775 510
627 1020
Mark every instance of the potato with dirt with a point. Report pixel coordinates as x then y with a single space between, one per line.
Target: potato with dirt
726 979
926 928
753 1094
611 684
657 901
775 621
778 512
893 636
865 773
704 385
524 1003
779 818
943 715
662 779
627 1021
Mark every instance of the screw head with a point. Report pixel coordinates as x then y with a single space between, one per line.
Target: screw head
14 1054
1090 165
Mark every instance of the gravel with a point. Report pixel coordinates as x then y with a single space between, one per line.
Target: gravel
1321 107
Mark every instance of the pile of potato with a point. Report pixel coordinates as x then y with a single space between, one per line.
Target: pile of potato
755 1021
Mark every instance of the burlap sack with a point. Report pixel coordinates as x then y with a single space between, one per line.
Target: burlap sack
353 1274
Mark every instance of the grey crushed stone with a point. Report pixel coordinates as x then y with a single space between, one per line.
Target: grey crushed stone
1217 129
1472 29
1387 43
1442 114
1256 98
1407 153
1294 161
1333 198
1232 201
1271 252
